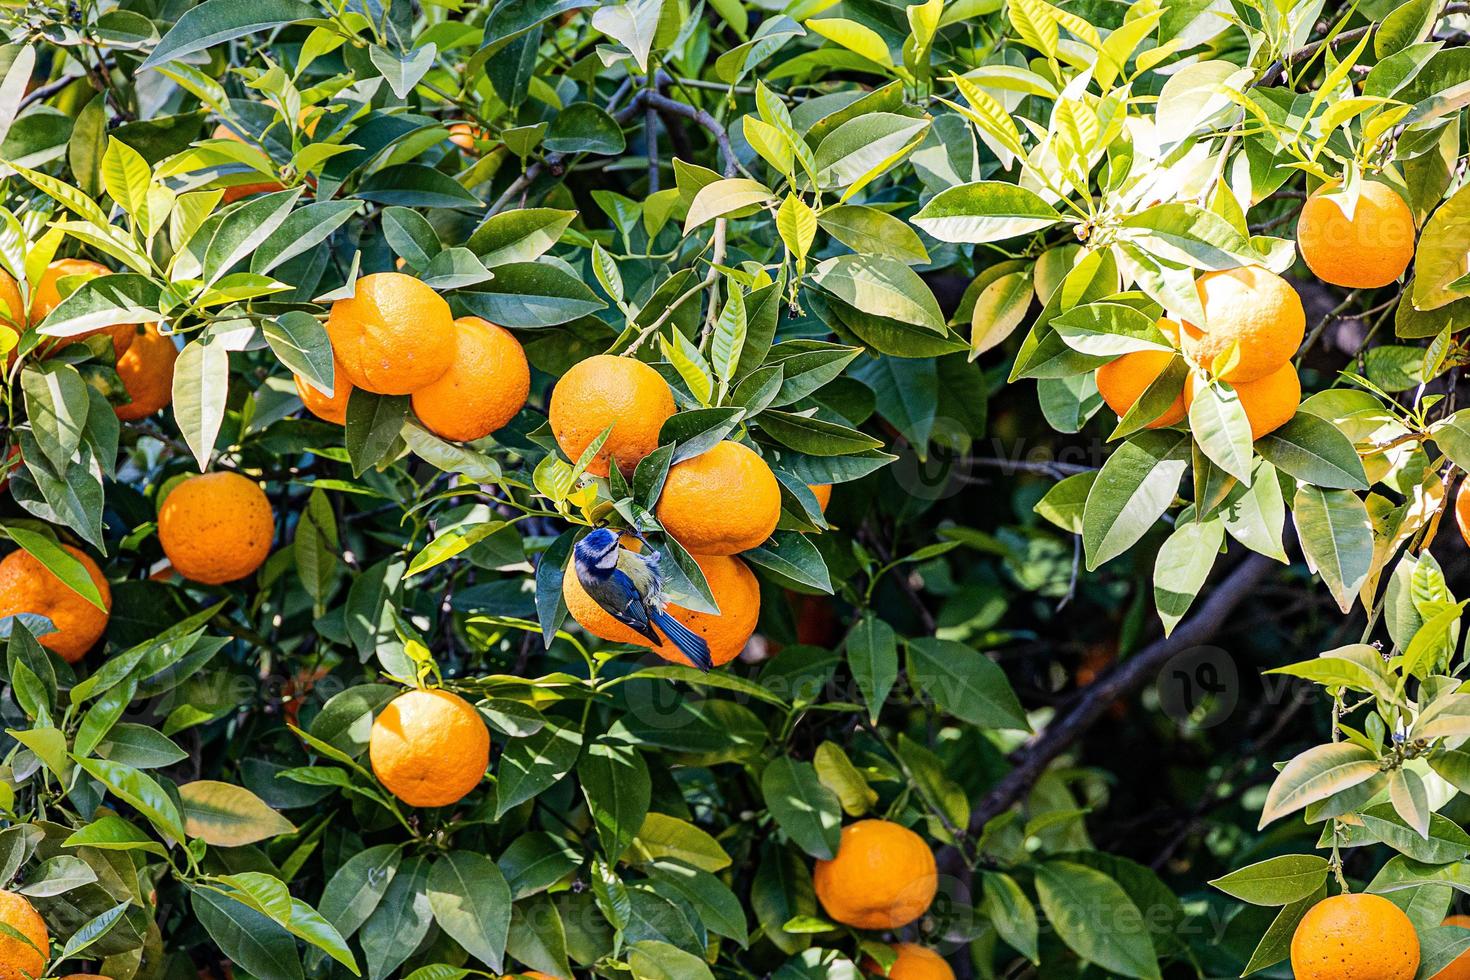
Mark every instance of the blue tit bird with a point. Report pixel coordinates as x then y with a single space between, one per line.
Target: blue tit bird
630 587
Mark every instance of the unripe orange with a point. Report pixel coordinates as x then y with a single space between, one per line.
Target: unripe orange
394 336
1355 937
1249 310
27 586
147 373
216 528
429 748
328 409
1370 249
605 390
724 501
1269 402
485 386
883 876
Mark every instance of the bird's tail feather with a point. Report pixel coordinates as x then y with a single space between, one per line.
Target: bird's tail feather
690 644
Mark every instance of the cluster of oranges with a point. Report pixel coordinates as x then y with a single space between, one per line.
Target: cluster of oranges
1254 321
717 504
214 528
395 336
144 357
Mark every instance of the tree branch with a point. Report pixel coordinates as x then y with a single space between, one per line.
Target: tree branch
1118 682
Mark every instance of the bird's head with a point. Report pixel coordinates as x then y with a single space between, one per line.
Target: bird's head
599 549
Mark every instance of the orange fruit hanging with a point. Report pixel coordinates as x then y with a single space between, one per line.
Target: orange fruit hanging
1254 322
1370 249
394 336
484 388
147 372
722 502
1122 381
605 390
1462 509
216 528
883 876
1355 937
47 297
27 586
429 748
736 592
22 960
331 408
12 304
1269 402
914 962
823 493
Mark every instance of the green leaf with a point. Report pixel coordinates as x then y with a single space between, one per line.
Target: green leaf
59 562
1088 909
531 294
471 902
535 763
1336 535
985 211
1315 775
1314 451
1065 503
1219 424
139 791
1011 913
616 784
652 960
872 656
1275 944
217 21
663 836
521 235
965 683
807 811
1182 567
57 403
200 387
226 815
868 230
1131 492
301 343
726 197
1280 880
880 286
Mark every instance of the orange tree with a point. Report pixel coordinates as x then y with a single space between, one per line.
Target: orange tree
915 365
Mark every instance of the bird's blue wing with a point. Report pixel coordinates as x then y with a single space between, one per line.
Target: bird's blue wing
627 603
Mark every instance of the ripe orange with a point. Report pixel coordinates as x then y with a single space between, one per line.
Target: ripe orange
1122 381
606 390
721 502
1462 509
216 528
394 336
914 962
1355 937
147 372
429 748
736 592
47 297
1269 402
883 876
484 388
27 586
333 409
823 493
12 304
1370 249
19 960
1459 969
463 135
1251 312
